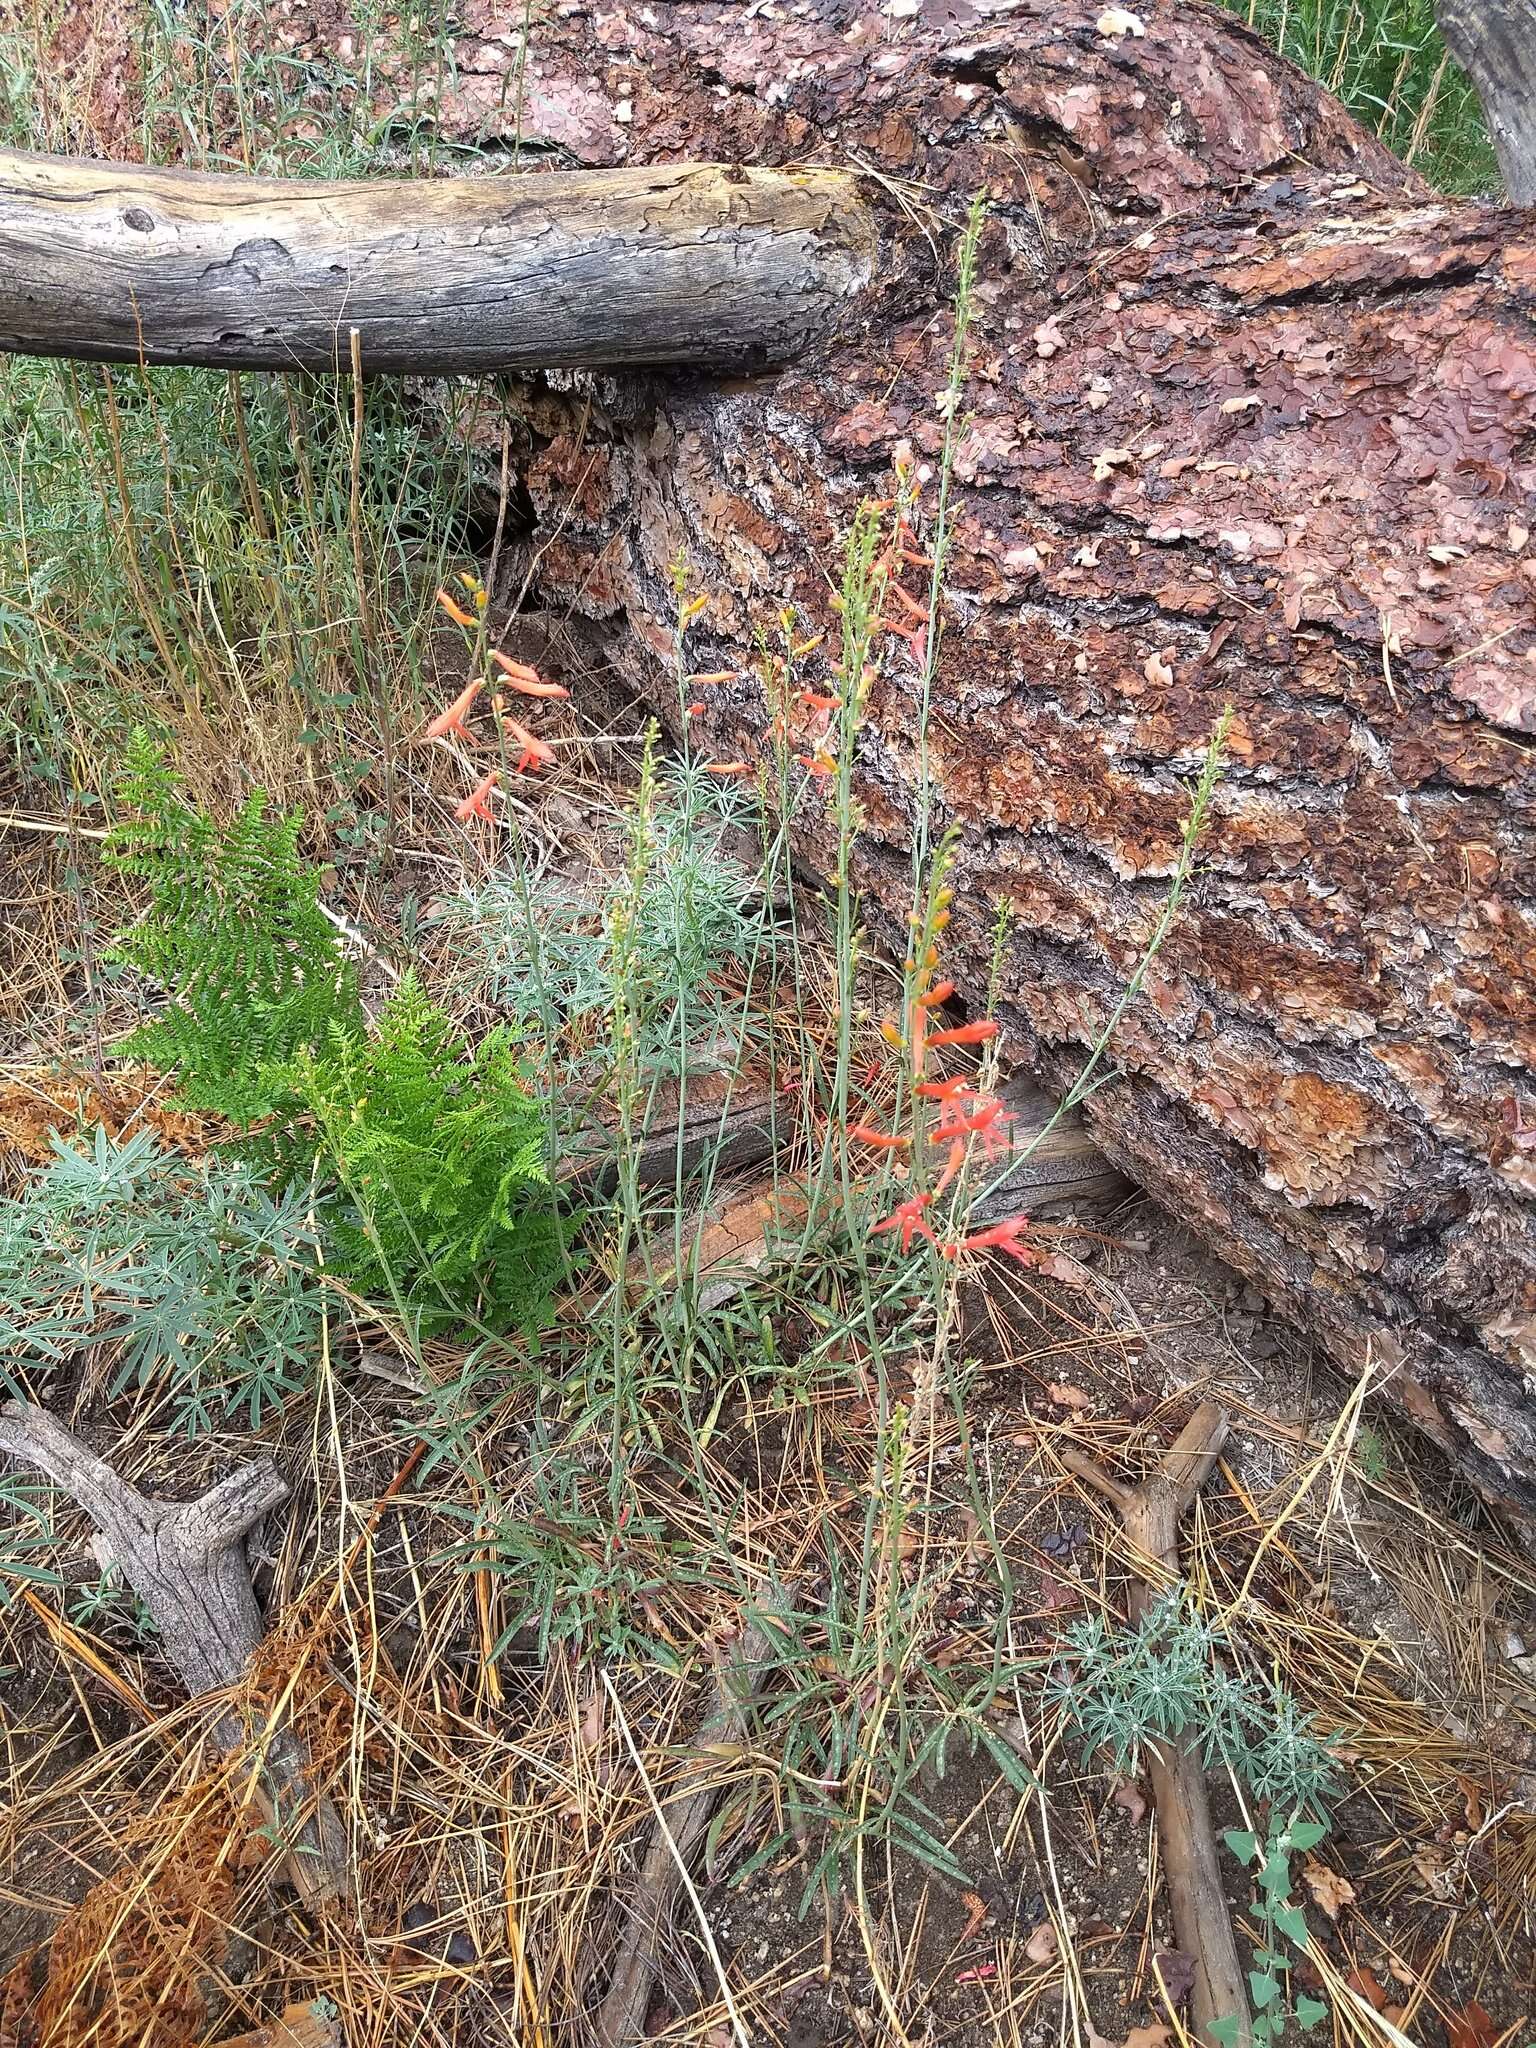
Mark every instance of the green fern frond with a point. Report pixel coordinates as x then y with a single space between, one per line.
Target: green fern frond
440 1152
234 934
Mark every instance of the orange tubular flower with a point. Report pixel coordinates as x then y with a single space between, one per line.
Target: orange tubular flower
820 765
456 612
478 803
697 710
983 1118
819 704
534 753
454 719
718 675
885 1141
951 1166
1005 1237
524 679
966 1034
939 993
728 767
954 1090
907 1217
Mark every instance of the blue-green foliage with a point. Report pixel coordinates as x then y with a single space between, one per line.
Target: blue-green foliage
1162 1681
446 1206
189 1278
234 934
542 956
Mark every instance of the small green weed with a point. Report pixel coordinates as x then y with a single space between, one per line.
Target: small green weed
1163 1681
1280 1918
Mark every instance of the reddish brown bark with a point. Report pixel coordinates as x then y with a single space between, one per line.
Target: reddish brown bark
1252 424
1325 380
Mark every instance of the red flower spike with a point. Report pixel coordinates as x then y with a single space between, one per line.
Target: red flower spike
456 612
454 719
983 1118
825 705
478 803
1005 1237
907 1217
952 1166
939 993
527 681
966 1034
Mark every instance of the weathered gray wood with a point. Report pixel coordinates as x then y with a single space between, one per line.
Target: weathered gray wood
689 263
186 1560
1494 42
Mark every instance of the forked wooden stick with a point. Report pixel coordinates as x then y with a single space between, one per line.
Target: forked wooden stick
1151 1513
186 1560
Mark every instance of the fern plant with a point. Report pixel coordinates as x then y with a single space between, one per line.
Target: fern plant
233 932
440 1151
191 1278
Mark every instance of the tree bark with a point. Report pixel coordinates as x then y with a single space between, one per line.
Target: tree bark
1494 42
1250 423
699 264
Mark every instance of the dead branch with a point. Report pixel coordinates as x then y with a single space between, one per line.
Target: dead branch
620 2021
679 263
1151 1513
187 1562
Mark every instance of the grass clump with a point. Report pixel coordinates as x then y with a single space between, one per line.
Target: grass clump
193 1280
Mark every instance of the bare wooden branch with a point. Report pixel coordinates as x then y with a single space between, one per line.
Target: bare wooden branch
1191 1864
682 263
620 2020
187 1562
1494 42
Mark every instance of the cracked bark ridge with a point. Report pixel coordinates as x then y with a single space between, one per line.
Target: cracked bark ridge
1251 423
187 1561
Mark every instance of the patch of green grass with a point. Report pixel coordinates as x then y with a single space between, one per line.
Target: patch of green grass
1387 62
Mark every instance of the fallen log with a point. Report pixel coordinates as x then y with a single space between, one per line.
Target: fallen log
698 264
1249 423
